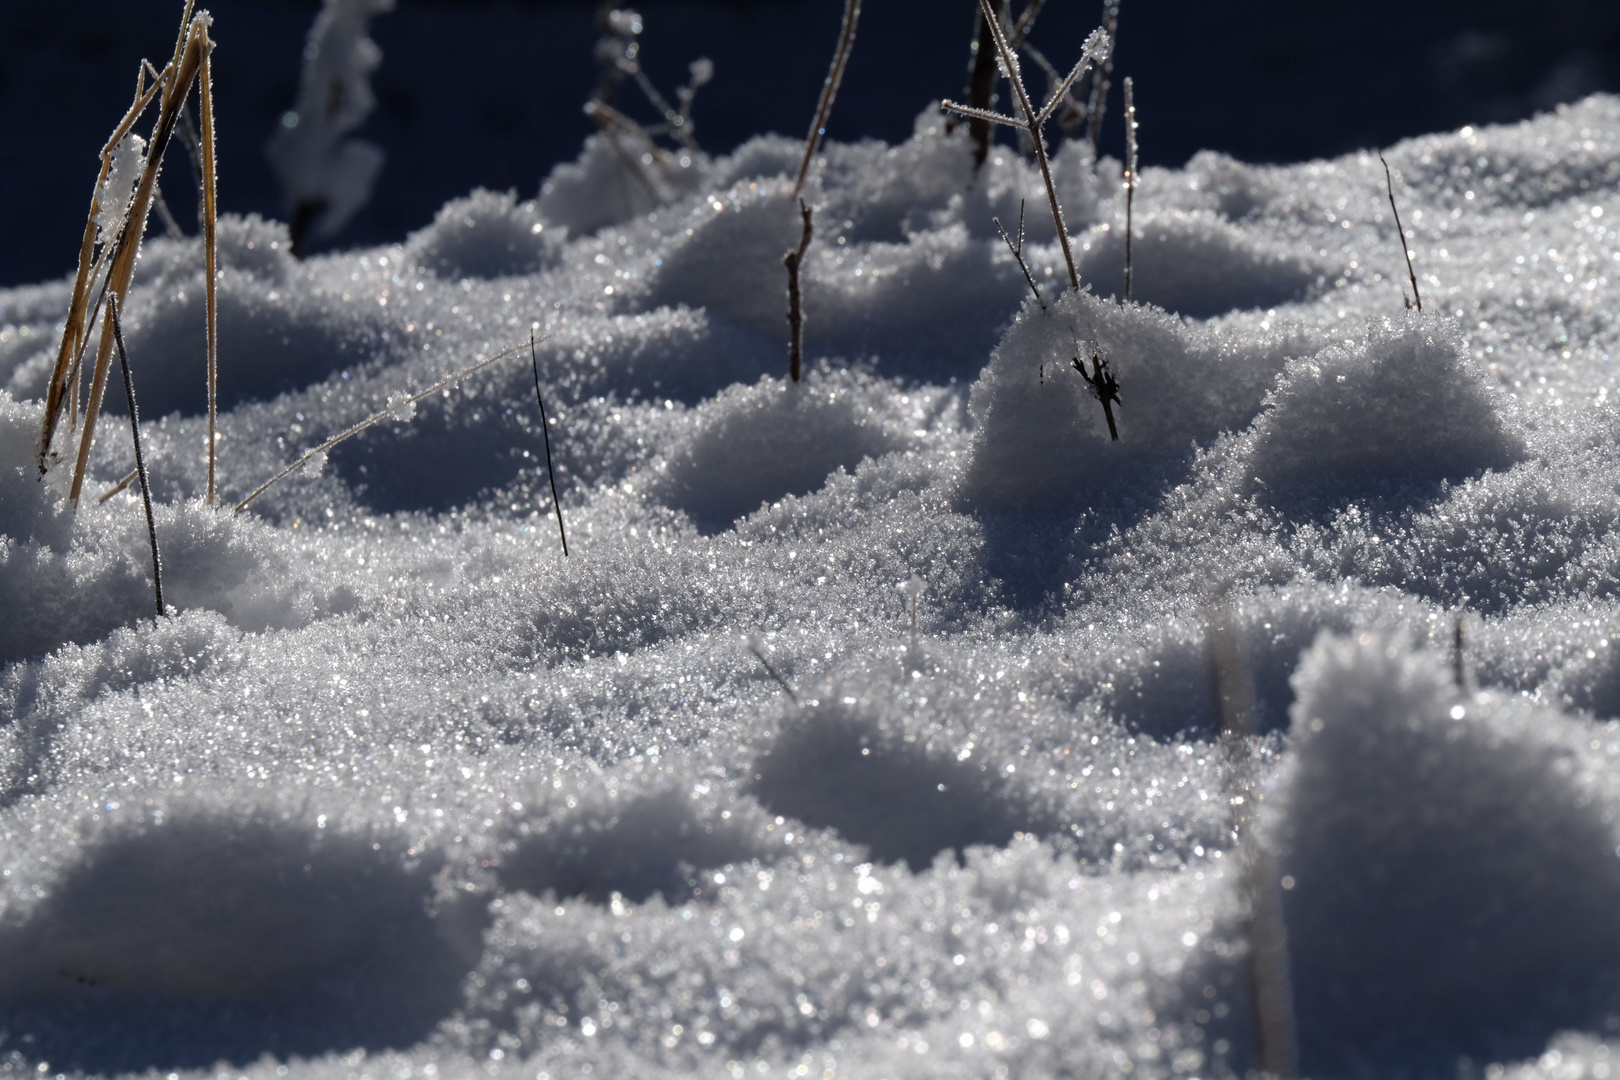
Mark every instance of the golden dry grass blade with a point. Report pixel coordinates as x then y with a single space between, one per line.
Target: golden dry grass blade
122 268
205 91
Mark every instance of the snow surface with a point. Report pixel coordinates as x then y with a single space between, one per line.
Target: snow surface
398 790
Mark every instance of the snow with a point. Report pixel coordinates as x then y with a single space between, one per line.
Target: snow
398 789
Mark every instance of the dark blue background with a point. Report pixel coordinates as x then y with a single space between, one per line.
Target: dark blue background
488 92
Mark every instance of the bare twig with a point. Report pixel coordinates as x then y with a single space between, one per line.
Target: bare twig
1130 177
1026 23
1096 46
829 91
1103 385
1389 184
1459 663
170 226
140 460
793 260
1018 252
128 479
210 216
545 429
1270 987
756 645
374 418
1098 105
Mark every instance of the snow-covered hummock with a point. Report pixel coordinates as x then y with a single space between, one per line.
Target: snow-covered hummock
399 790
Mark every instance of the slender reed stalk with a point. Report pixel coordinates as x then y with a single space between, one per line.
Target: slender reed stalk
373 419
1389 185
1097 106
982 85
545 430
829 91
1130 177
1273 1031
140 459
796 318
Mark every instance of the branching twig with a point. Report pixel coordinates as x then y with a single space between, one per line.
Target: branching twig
1103 385
374 418
1096 47
545 429
793 260
1130 177
1389 184
140 460
1018 252
829 91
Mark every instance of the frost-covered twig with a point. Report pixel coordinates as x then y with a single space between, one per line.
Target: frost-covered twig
1130 177
1103 385
982 84
392 410
1096 47
326 176
1018 252
140 459
545 430
1098 104
793 261
829 91
1389 185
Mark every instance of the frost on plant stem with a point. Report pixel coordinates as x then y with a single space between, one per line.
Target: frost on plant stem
325 176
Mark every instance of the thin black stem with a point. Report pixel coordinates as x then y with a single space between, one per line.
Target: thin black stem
982 86
829 90
140 460
1018 252
1389 185
759 654
793 261
545 430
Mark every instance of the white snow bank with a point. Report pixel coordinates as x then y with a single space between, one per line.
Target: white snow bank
486 235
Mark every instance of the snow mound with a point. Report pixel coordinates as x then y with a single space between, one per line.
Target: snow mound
1403 404
1041 431
1196 265
613 180
486 235
252 934
32 509
1451 860
759 443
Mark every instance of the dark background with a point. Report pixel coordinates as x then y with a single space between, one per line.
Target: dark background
488 92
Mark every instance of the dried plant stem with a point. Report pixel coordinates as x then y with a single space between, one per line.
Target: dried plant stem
1018 252
1103 385
1459 662
829 91
210 215
793 260
140 459
757 647
373 419
1130 177
128 479
1389 185
1097 106
1275 1042
545 430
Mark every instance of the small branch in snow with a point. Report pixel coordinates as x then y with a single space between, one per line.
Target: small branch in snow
1103 385
829 91
1389 184
545 429
1018 252
140 460
756 645
793 260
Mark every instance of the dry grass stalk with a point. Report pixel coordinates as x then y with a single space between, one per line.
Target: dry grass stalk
756 645
1130 177
1273 1030
829 91
545 430
793 260
1103 385
1018 252
982 84
140 459
1096 47
377 418
1389 185
115 267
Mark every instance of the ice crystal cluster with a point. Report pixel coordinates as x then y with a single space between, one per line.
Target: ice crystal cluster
398 790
